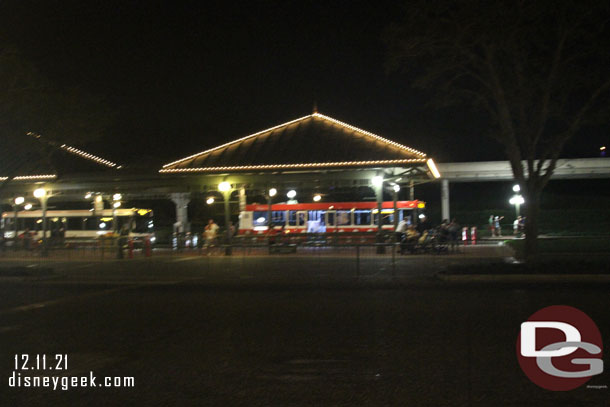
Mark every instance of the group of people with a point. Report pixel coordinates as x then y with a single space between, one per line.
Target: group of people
495 227
411 236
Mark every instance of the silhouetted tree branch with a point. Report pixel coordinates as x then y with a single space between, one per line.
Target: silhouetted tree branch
539 70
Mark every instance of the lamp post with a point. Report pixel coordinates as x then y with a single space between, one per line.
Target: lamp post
395 189
226 189
517 200
270 194
377 182
116 204
18 201
41 194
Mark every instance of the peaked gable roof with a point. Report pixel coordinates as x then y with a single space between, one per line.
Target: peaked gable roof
48 160
313 141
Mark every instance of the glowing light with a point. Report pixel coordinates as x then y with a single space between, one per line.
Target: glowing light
102 225
421 216
27 206
117 204
19 200
516 200
421 205
377 181
433 168
314 115
143 212
88 195
88 156
317 197
40 193
98 198
261 220
602 148
117 197
516 188
295 166
396 187
210 200
272 192
224 186
291 194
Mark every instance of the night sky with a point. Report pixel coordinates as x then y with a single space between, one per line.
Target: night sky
183 77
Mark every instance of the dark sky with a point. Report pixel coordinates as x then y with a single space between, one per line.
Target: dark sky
184 76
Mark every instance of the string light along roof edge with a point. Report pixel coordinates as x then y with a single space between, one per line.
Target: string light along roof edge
293 166
314 115
88 156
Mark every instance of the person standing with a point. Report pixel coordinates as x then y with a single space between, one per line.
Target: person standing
209 233
497 226
401 228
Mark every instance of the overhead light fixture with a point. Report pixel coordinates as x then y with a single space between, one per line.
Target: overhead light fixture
377 180
317 197
117 197
272 192
27 206
396 187
40 193
19 200
224 186
210 200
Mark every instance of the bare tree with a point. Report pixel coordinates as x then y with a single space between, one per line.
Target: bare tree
538 70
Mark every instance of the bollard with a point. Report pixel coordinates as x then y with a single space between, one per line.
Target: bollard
465 235
473 235
147 248
130 248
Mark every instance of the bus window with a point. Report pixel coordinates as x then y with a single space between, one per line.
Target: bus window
362 217
330 216
278 217
75 223
316 216
301 218
259 218
292 218
344 218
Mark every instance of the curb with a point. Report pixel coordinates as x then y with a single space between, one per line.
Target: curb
525 278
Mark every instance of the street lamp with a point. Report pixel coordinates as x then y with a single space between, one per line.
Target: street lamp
516 200
210 200
18 201
317 197
41 194
225 188
291 194
27 206
516 188
270 194
377 182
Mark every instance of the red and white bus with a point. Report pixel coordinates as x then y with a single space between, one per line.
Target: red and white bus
325 217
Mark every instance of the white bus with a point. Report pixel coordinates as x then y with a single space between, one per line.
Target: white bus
79 224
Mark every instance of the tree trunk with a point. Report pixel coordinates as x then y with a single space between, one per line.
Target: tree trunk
532 212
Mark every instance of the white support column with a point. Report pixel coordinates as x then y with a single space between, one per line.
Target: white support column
445 199
181 200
